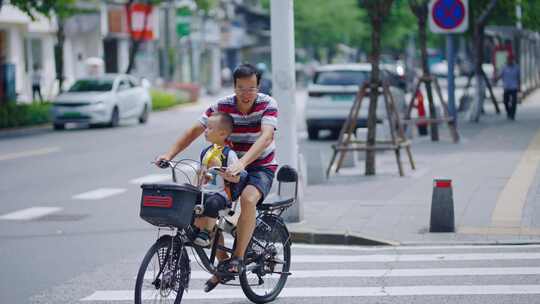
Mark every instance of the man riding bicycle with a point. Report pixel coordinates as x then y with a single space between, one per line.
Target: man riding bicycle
255 120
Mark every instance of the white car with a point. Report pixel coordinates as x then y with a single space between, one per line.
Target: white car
333 90
103 100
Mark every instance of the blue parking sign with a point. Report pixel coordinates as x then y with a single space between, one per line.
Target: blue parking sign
448 16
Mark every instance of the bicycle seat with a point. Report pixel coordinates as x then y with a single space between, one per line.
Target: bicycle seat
278 202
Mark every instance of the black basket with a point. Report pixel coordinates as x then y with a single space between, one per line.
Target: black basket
169 205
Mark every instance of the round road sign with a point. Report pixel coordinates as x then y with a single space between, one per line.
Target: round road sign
448 14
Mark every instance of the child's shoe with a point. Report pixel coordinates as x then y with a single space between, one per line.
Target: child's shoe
202 239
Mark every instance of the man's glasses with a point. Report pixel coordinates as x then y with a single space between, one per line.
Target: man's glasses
246 90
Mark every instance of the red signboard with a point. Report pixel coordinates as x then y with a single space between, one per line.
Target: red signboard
140 19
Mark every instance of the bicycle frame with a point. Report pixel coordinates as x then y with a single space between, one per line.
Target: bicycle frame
207 260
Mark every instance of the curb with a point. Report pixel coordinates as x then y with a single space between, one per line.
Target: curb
25 131
311 237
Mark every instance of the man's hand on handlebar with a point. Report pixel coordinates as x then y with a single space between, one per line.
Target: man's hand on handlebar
223 172
236 168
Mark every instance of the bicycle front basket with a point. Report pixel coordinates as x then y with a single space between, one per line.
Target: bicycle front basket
168 205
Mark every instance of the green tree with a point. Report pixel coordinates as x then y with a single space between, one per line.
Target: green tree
321 25
44 7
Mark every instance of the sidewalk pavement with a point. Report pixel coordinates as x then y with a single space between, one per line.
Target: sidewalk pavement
496 188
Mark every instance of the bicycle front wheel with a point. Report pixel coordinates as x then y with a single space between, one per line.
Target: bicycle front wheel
164 273
268 260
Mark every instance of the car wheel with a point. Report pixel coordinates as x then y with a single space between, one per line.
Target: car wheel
313 133
144 115
115 118
59 126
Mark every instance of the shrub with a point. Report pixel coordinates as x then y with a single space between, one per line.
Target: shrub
17 115
163 99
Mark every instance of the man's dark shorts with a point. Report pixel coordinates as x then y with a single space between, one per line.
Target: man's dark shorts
259 177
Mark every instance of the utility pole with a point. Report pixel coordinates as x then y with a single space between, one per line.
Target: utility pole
283 90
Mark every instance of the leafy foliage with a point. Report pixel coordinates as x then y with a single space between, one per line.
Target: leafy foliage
14 115
61 8
162 100
322 23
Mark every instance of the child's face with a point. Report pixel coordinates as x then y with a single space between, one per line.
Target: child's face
213 132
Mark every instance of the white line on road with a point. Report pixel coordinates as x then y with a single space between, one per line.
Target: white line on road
403 248
311 292
413 272
415 257
29 153
152 178
99 193
29 213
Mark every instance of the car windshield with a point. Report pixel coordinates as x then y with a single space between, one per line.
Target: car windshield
341 77
92 85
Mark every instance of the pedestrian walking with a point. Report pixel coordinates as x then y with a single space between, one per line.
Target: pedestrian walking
510 75
36 84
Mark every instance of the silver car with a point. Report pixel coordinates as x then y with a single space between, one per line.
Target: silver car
103 100
332 93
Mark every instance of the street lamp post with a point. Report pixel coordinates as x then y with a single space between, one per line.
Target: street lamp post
283 89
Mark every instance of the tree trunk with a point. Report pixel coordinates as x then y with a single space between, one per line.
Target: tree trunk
480 89
479 26
420 10
373 94
377 10
60 36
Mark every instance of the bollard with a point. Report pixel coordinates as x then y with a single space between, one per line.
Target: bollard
442 207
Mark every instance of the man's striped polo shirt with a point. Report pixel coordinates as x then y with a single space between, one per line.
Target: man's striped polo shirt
247 127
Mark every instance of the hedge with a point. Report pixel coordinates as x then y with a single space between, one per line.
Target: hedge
17 115
163 99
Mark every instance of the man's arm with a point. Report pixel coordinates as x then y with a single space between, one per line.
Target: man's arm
267 135
184 141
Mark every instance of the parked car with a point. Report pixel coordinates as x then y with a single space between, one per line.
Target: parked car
333 90
103 100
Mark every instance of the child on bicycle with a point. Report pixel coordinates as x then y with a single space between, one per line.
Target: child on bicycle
215 182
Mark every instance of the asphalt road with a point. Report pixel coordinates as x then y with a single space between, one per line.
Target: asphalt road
61 234
69 224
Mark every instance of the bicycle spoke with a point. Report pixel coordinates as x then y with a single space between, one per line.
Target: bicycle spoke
267 263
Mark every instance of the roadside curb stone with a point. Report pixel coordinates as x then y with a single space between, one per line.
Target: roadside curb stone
24 131
330 238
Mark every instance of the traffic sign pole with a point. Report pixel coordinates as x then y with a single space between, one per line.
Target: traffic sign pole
450 56
449 17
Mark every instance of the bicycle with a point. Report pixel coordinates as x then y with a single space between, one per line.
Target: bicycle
267 259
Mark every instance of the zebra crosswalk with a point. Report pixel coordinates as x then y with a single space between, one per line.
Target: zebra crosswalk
333 273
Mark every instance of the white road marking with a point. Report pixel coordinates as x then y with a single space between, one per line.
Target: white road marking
99 193
152 178
413 272
29 153
30 213
403 248
312 292
414 257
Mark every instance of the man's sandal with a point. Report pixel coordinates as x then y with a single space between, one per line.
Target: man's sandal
235 266
210 284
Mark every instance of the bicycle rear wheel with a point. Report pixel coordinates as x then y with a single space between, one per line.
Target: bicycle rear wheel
268 260
167 285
